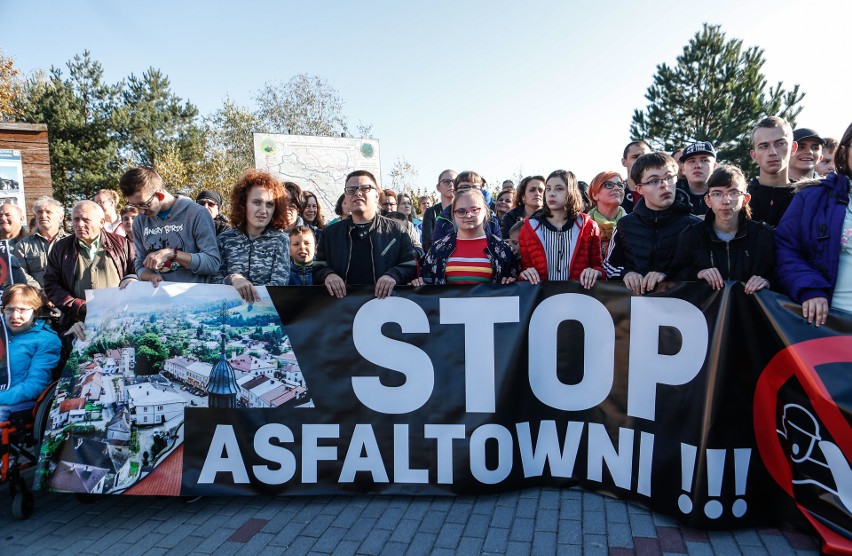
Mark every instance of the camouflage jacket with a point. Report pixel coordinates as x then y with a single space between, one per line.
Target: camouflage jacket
263 261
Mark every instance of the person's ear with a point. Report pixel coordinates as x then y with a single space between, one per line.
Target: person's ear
707 200
160 195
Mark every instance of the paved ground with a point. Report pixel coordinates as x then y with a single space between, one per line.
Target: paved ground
534 521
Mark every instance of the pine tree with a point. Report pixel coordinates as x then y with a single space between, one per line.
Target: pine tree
78 110
716 92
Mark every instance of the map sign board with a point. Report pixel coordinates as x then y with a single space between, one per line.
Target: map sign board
317 164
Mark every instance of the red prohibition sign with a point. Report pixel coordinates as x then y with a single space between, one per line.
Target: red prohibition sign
800 361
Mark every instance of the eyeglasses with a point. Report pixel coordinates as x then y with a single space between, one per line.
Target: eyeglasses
389 204
668 180
145 205
473 211
21 310
730 195
206 203
446 182
353 189
613 185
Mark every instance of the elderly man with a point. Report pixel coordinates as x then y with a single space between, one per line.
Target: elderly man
174 238
90 259
366 248
11 224
32 250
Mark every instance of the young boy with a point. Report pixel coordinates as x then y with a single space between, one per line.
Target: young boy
632 152
302 248
644 241
514 232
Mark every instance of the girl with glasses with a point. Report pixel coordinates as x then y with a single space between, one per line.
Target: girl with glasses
727 244
559 242
607 193
32 346
470 254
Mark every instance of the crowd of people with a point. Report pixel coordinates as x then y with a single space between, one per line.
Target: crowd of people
673 216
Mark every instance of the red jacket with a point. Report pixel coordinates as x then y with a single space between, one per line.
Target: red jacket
587 253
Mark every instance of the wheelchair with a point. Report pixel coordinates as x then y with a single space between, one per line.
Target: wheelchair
20 443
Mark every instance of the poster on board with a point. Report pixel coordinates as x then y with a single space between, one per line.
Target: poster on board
11 178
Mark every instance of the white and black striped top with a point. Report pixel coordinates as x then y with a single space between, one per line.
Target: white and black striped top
559 246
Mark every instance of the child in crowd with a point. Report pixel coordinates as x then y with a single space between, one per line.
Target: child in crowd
644 241
728 244
33 349
302 249
559 242
514 232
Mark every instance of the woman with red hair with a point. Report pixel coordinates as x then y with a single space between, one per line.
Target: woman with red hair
256 251
606 193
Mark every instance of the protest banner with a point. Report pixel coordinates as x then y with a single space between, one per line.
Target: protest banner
676 400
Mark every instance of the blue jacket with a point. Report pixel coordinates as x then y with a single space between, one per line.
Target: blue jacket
807 240
33 355
503 262
301 275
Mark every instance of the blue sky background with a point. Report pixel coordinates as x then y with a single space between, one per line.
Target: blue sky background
497 87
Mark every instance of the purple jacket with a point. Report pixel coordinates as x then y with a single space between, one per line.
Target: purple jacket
807 240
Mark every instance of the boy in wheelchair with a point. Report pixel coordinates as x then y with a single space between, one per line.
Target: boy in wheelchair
33 349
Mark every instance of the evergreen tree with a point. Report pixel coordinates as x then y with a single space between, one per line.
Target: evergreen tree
78 110
716 92
154 119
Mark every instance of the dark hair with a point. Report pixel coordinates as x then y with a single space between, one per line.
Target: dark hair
365 173
651 160
137 179
574 202
319 222
727 175
128 210
522 188
239 197
830 144
338 206
468 176
396 215
840 157
295 193
633 144
299 230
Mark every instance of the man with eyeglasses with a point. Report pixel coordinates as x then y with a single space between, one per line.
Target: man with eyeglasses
175 239
445 188
211 200
643 244
365 249
699 161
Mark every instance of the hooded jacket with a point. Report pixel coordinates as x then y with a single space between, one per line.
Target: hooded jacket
807 240
587 252
645 239
34 355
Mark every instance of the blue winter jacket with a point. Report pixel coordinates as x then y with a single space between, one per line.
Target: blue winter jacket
32 355
807 240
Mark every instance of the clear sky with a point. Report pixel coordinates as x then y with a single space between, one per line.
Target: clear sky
493 86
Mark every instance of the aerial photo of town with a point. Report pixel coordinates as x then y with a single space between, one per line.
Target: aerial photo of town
149 354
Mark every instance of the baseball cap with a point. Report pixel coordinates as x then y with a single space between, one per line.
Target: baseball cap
210 195
699 147
807 133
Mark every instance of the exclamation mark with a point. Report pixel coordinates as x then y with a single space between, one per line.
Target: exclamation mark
687 468
715 473
742 457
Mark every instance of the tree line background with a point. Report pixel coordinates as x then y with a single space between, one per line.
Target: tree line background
716 91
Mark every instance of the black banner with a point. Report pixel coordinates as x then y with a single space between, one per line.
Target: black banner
464 390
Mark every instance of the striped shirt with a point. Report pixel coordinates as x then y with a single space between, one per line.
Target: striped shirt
469 264
559 246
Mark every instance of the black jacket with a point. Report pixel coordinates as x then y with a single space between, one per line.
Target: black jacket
429 217
645 239
392 251
750 253
510 219
769 203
